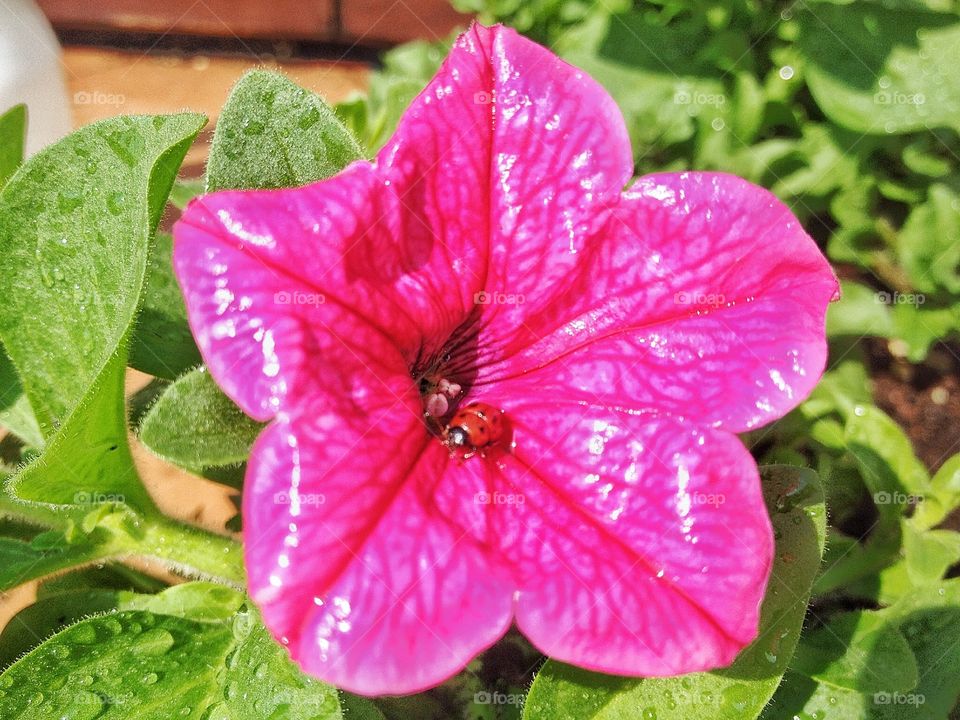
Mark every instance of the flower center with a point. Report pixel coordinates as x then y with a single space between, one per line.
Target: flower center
439 395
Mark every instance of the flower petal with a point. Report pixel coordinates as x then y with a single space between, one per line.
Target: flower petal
706 300
641 544
269 286
512 150
370 589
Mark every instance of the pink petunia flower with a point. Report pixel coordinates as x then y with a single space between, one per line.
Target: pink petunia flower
615 340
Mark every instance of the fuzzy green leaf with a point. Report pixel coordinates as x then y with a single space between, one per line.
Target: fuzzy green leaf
274 134
194 425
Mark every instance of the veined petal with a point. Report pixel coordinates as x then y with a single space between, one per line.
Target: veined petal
513 151
369 588
640 544
271 285
706 300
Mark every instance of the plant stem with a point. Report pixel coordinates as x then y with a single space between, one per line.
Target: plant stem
189 550
192 551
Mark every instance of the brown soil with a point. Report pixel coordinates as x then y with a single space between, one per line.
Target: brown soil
924 399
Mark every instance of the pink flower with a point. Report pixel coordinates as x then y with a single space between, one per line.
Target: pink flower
491 254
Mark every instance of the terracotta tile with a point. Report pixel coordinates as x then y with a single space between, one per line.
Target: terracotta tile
230 18
396 21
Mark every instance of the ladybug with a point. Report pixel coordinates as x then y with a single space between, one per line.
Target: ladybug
472 428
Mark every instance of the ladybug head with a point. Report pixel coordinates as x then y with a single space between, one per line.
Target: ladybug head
457 437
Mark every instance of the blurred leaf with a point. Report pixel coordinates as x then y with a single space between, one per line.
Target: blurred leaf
890 467
406 70
875 69
944 495
929 243
656 74
861 311
15 413
186 189
859 651
13 133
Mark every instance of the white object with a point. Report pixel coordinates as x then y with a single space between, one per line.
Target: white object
31 72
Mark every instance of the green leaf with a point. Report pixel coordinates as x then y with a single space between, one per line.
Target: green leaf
15 413
274 134
659 75
875 69
63 601
75 224
890 468
204 601
944 495
860 651
194 425
193 651
929 619
48 553
13 133
89 460
263 682
795 502
125 665
860 311
928 554
38 621
928 244
185 190
162 342
76 250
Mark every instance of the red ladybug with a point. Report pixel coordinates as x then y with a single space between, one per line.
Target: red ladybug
473 427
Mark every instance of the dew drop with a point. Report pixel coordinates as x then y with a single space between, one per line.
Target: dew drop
69 200
115 202
84 635
155 642
85 705
309 118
